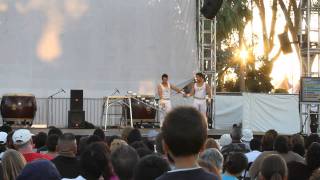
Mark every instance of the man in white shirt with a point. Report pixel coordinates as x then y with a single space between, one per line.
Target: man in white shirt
164 91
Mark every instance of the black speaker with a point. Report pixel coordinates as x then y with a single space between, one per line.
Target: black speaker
76 100
210 8
285 43
75 119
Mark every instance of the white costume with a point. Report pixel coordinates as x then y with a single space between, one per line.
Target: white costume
165 103
200 102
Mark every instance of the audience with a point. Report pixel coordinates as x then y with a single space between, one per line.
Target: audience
315 175
116 144
273 167
95 162
125 133
224 140
52 143
39 170
297 143
236 144
268 140
247 136
158 144
184 148
40 141
298 171
12 164
150 167
134 136
281 147
66 161
100 133
54 130
124 159
311 139
211 143
235 164
211 160
3 143
22 140
255 146
313 156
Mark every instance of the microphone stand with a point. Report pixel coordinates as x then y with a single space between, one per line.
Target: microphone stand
48 105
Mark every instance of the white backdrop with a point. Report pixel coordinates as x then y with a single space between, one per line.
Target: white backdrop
95 45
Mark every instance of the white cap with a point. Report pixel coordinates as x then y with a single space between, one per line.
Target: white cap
247 135
3 137
21 136
225 139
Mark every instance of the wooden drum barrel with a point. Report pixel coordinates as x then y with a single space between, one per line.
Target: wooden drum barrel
18 108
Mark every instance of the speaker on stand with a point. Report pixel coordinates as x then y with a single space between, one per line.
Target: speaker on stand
76 115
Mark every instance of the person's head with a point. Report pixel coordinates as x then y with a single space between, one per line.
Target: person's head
67 145
110 139
225 139
116 144
40 170
125 133
40 140
22 140
6 128
255 144
52 142
315 175
247 135
297 139
200 77
299 149
3 141
158 143
99 132
273 167
281 144
95 161
138 144
54 130
177 142
142 152
313 156
236 134
124 159
268 140
298 171
164 78
93 138
82 144
134 135
235 163
12 164
311 139
150 167
211 158
211 143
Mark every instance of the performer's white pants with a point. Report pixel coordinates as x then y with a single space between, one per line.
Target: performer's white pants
200 105
165 105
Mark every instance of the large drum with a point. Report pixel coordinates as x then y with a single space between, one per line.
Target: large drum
18 109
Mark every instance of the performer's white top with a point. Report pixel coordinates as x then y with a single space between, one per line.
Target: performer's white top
165 92
200 92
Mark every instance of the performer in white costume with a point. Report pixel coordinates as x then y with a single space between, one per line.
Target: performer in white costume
199 92
164 91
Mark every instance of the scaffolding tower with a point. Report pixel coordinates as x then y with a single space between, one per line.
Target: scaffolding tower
206 40
309 42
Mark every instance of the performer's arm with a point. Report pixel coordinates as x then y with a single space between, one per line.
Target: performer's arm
175 88
160 92
192 91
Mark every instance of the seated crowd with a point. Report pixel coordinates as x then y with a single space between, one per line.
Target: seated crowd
181 151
